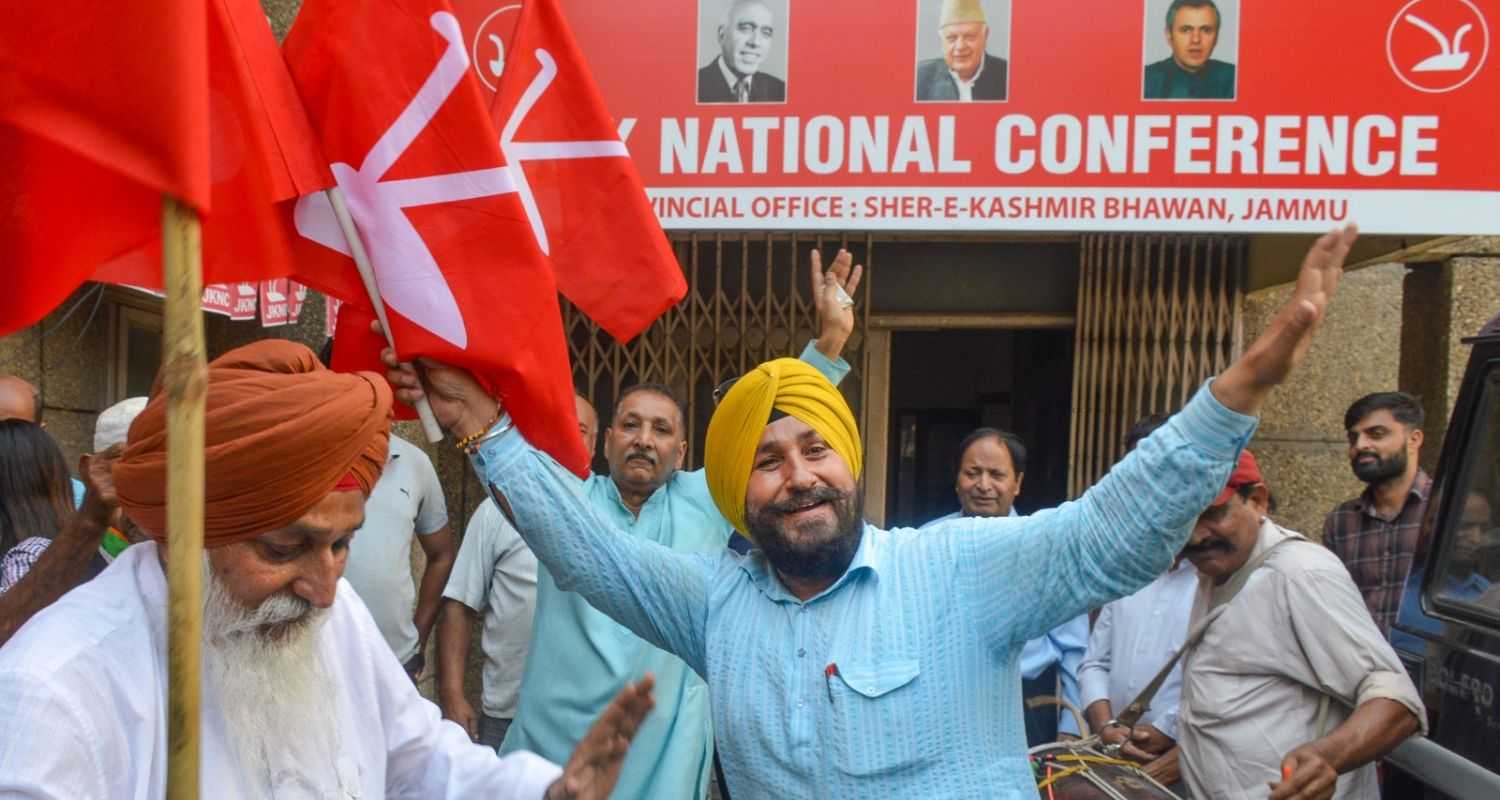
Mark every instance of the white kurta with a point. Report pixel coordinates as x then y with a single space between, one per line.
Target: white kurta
83 699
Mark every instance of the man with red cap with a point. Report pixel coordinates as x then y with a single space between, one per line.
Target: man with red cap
301 696
1284 673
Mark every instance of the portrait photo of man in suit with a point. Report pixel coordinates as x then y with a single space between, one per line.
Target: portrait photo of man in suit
746 38
1195 31
966 71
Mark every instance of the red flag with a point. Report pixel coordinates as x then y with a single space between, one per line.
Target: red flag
264 156
198 105
94 131
388 90
580 189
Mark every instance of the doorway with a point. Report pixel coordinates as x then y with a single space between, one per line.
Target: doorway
946 383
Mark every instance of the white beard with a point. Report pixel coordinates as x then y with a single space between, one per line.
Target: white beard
275 693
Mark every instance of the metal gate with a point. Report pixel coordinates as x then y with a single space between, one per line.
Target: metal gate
749 300
1157 316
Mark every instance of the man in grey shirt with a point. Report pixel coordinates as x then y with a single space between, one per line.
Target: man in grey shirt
1291 684
407 503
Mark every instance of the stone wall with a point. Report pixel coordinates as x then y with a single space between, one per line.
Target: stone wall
1391 326
1300 443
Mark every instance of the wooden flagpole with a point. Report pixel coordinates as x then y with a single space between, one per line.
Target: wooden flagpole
367 275
185 381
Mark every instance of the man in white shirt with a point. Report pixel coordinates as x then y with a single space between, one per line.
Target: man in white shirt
1133 638
495 574
300 695
407 504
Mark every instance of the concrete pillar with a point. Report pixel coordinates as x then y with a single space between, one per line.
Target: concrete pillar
1444 303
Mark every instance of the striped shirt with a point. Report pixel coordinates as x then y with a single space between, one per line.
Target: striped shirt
900 679
1378 551
20 559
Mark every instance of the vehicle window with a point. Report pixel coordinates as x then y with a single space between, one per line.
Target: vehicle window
1467 577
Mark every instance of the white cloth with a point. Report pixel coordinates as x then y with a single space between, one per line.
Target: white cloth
495 574
83 698
407 500
966 87
1251 687
1133 639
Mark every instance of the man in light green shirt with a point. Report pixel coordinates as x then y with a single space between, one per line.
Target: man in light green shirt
579 658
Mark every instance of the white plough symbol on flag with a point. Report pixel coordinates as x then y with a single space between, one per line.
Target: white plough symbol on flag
409 277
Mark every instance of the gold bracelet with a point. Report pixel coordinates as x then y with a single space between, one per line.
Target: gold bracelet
463 444
496 431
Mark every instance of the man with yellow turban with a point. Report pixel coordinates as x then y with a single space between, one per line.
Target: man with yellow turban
848 661
301 697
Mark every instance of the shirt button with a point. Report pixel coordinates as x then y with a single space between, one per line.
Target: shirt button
801 652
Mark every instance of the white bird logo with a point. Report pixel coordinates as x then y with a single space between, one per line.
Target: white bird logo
1451 57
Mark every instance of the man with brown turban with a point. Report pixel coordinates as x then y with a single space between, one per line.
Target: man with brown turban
301 696
848 661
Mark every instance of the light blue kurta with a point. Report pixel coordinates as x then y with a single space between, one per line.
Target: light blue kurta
1064 646
900 679
579 658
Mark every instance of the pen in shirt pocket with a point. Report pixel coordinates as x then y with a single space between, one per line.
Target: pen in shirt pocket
828 672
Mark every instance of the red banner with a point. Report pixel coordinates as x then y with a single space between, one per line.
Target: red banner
994 115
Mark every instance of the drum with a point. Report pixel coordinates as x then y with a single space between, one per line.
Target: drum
1078 771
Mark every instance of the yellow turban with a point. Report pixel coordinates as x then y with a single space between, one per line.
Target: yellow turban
787 385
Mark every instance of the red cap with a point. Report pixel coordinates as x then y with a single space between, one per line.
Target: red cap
348 483
1246 473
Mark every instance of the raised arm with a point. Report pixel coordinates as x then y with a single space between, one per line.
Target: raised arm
65 563
1124 530
659 594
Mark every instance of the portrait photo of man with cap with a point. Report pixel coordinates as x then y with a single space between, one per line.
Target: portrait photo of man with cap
965 71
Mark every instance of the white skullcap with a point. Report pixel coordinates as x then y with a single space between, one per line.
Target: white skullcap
114 422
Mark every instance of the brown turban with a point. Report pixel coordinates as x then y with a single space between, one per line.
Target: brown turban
281 431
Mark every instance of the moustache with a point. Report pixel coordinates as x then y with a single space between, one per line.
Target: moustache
644 455
1205 547
822 494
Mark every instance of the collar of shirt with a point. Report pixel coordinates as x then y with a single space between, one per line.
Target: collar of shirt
732 79
758 567
657 497
966 87
1420 487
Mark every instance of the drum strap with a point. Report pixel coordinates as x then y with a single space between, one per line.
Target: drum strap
1222 598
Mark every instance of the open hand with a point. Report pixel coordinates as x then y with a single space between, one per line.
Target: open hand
1283 345
592 770
1306 775
835 320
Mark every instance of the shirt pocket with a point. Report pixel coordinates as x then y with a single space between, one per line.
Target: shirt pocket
878 711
